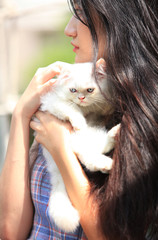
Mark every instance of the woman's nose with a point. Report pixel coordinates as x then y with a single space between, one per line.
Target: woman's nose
70 29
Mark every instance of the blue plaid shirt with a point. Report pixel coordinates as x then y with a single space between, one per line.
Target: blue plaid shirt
43 227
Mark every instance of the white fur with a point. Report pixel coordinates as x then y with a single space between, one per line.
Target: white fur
61 210
89 143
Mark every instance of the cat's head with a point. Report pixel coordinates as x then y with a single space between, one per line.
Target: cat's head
80 86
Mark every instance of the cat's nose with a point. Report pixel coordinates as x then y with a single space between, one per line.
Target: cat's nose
81 97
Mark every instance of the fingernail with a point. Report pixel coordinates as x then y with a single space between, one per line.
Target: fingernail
53 80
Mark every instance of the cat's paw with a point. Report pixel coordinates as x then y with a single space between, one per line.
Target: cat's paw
106 164
111 138
113 131
100 163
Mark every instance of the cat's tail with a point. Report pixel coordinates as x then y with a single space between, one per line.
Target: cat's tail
64 215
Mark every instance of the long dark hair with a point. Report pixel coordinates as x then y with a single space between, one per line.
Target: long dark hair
128 207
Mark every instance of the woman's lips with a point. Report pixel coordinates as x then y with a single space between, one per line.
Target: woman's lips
75 47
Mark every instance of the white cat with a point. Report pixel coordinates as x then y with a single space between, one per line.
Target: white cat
74 95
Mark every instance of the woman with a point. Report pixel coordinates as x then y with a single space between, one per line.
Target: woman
125 207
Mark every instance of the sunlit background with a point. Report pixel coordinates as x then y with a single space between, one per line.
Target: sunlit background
31 36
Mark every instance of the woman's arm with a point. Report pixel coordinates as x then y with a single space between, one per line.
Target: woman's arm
54 135
16 209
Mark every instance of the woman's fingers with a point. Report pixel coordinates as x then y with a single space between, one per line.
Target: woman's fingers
46 87
44 77
51 132
36 126
44 116
45 74
46 120
41 83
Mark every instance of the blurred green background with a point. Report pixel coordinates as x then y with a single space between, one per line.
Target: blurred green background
54 47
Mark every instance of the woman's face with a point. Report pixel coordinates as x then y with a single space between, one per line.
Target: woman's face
82 40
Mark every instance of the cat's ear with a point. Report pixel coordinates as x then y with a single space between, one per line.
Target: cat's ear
101 63
101 68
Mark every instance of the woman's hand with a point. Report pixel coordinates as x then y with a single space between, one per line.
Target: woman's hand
40 84
51 132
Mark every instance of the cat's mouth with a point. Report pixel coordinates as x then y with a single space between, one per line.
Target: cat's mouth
83 103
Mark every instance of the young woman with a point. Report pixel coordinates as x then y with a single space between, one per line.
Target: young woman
125 207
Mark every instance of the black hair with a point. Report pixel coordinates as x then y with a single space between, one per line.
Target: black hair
128 200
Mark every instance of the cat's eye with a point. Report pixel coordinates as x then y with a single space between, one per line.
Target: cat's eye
90 90
73 90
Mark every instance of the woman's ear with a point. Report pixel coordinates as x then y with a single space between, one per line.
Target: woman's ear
101 68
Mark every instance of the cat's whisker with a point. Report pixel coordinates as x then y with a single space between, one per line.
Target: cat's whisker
101 107
99 100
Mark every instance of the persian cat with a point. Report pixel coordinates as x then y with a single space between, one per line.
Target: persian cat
77 97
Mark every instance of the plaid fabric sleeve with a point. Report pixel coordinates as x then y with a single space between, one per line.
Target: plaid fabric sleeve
43 227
